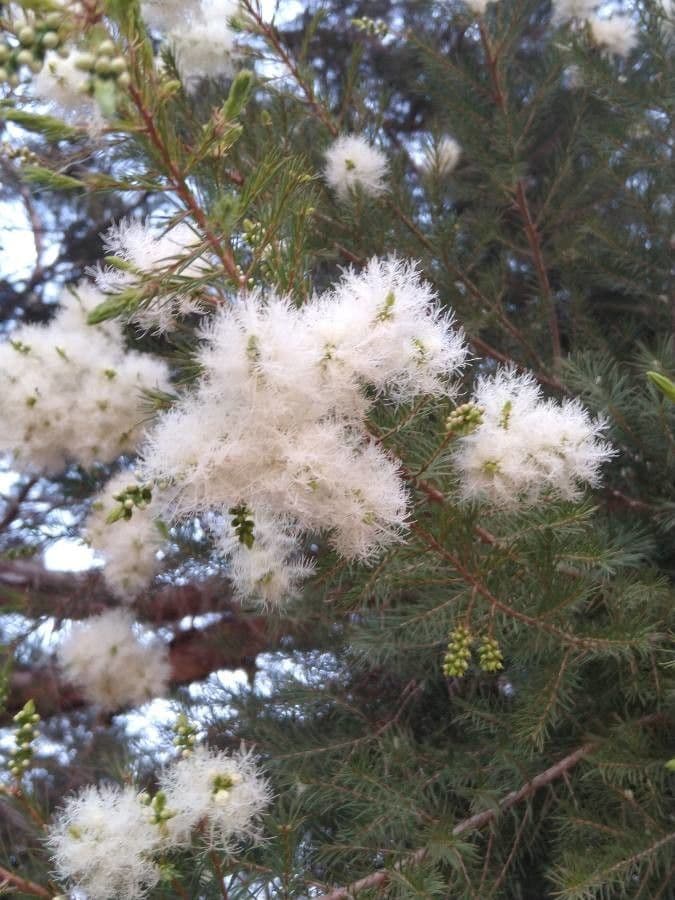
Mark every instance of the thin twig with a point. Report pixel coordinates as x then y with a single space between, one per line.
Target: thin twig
8 878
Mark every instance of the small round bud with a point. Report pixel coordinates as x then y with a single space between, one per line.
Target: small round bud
14 80
24 57
53 19
4 53
118 65
26 36
4 76
35 65
102 65
85 62
128 503
63 51
50 40
124 80
106 48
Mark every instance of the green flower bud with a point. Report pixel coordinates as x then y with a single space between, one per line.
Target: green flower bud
458 655
106 48
50 40
490 656
124 80
26 36
24 57
118 65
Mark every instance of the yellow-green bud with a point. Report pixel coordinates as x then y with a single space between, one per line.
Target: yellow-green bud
50 39
106 48
26 36
464 419
24 57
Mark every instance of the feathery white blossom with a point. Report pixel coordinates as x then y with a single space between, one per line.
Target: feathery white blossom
478 6
273 568
442 159
352 162
568 10
102 843
72 392
617 35
128 547
277 421
222 793
528 447
148 253
165 14
206 47
62 83
105 659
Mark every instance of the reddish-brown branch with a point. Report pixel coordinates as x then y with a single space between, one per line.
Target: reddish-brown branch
272 37
473 823
179 184
534 240
14 504
10 879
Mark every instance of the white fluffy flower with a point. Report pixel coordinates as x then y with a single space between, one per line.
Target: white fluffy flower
272 570
102 843
277 421
222 793
206 46
104 658
351 162
528 447
63 83
71 392
165 14
148 253
478 6
442 159
567 10
128 547
617 35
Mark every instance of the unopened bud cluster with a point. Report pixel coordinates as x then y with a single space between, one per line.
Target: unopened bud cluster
464 419
104 62
34 41
186 735
458 654
242 524
133 496
159 812
490 657
372 27
22 154
26 733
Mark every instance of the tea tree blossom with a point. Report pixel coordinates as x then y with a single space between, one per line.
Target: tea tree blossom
272 568
128 547
527 447
221 793
144 253
277 422
442 159
110 665
351 163
617 35
72 392
572 10
102 842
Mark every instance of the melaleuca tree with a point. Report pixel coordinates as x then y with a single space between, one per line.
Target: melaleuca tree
355 400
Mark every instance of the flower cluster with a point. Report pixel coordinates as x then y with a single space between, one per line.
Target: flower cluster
70 392
128 547
277 422
106 841
141 254
617 34
200 34
526 447
442 158
104 658
103 843
351 163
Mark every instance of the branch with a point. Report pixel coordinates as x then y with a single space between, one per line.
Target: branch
380 878
8 878
193 655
